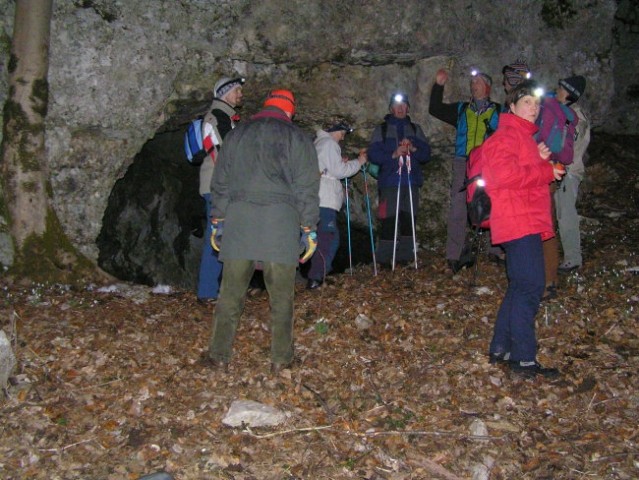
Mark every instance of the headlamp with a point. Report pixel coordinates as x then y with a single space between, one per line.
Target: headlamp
398 97
536 92
484 76
341 126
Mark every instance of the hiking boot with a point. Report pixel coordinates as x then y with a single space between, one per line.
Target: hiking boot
497 259
464 262
568 267
276 368
454 266
549 293
384 252
405 252
207 361
501 357
206 301
220 365
255 291
532 369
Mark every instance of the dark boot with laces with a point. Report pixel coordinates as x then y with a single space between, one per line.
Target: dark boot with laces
501 357
532 369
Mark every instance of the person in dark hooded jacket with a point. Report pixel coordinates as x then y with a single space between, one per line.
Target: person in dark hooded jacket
399 147
265 186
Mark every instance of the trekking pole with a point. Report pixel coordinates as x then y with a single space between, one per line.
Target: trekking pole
348 228
412 213
370 220
399 188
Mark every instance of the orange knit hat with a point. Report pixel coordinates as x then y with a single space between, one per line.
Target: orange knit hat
282 99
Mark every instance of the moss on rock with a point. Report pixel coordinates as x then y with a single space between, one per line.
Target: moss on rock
51 258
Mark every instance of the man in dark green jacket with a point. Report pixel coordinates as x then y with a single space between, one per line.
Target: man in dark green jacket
266 188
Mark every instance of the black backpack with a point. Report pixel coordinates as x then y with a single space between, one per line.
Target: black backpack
477 200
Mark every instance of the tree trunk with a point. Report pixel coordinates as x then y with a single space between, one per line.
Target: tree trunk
42 250
23 154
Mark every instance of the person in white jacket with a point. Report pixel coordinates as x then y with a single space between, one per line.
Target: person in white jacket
333 167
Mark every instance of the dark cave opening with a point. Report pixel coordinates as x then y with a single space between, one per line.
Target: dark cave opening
154 224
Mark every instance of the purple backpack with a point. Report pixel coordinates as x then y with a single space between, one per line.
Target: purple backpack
557 123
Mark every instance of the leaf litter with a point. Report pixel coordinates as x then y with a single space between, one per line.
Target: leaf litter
390 381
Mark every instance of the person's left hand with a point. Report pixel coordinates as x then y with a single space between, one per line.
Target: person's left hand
408 145
558 170
544 151
362 158
441 76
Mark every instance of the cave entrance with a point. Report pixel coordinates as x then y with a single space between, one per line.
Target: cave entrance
152 230
154 223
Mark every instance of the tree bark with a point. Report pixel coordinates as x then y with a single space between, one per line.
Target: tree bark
43 252
24 166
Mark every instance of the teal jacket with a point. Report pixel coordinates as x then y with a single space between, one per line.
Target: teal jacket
474 124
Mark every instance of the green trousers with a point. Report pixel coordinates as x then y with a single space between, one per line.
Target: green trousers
280 285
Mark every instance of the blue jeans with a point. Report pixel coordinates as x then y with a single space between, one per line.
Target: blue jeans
515 326
210 266
327 244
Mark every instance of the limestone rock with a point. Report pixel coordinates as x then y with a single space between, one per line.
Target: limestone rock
7 360
253 414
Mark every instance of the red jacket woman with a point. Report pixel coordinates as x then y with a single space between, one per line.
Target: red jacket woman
517 181
517 175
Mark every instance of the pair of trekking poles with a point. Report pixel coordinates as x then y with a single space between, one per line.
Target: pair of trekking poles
401 162
370 224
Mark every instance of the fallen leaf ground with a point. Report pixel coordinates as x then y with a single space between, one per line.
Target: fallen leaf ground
110 385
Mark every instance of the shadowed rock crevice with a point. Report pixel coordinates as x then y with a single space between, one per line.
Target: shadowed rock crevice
153 225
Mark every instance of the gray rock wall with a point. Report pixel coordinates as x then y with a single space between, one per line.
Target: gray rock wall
120 71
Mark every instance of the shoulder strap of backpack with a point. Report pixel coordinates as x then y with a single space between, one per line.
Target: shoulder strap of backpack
384 128
570 114
489 128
